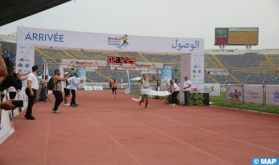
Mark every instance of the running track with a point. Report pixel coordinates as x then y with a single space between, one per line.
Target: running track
105 130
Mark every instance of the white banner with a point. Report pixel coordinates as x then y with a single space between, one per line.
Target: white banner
83 64
87 87
145 65
212 88
113 42
126 68
253 94
155 93
272 95
24 60
97 87
197 72
234 93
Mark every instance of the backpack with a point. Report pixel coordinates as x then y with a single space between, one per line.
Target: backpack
50 84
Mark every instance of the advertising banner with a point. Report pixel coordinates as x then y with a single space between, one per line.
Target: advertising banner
197 73
145 65
272 95
126 68
166 76
97 87
87 88
212 88
83 64
234 93
253 94
24 60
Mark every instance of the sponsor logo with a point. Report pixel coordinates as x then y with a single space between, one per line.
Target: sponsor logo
201 80
194 71
199 66
114 41
27 65
253 94
276 95
194 76
199 71
193 79
24 59
120 42
165 71
20 65
199 76
195 66
144 65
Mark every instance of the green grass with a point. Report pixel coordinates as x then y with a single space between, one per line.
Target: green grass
221 100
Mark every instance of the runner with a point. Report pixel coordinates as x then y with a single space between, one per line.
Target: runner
114 86
145 85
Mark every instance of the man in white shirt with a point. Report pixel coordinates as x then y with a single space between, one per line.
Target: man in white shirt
73 87
186 89
32 87
174 93
66 85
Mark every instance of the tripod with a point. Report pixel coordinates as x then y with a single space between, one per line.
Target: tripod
43 94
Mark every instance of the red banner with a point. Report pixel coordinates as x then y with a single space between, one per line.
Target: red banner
221 41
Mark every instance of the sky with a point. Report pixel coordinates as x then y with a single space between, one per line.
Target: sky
164 18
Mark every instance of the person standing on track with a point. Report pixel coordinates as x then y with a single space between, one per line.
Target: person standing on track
57 89
73 87
66 85
186 87
145 85
175 91
114 86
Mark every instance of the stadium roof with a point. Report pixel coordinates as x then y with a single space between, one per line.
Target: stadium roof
13 10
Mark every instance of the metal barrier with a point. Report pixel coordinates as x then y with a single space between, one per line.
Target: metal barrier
243 84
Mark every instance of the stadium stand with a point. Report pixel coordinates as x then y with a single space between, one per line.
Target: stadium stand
241 67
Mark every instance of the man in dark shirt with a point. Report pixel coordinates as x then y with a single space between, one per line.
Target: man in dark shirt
12 81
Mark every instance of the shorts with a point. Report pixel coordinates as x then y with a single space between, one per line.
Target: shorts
144 96
113 89
67 92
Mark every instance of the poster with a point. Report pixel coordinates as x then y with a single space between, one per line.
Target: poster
166 76
213 89
25 56
197 73
272 95
234 93
81 76
253 94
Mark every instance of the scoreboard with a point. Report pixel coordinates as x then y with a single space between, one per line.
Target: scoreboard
199 99
236 36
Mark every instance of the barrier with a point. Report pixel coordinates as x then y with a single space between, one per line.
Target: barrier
248 92
6 122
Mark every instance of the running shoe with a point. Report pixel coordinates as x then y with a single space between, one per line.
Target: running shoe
140 103
145 109
57 111
174 105
67 104
170 105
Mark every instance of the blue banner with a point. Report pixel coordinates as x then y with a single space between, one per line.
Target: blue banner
82 74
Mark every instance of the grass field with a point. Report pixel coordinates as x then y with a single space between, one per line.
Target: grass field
221 100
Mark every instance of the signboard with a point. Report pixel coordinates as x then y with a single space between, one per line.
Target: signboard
213 89
87 88
253 94
199 99
234 93
97 87
166 76
126 68
236 36
272 95
25 57
145 65
83 64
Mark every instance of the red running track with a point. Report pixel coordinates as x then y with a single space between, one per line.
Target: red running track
105 130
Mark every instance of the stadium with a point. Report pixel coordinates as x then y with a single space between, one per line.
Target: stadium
231 118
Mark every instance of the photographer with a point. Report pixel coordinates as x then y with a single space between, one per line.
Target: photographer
44 87
3 68
11 89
